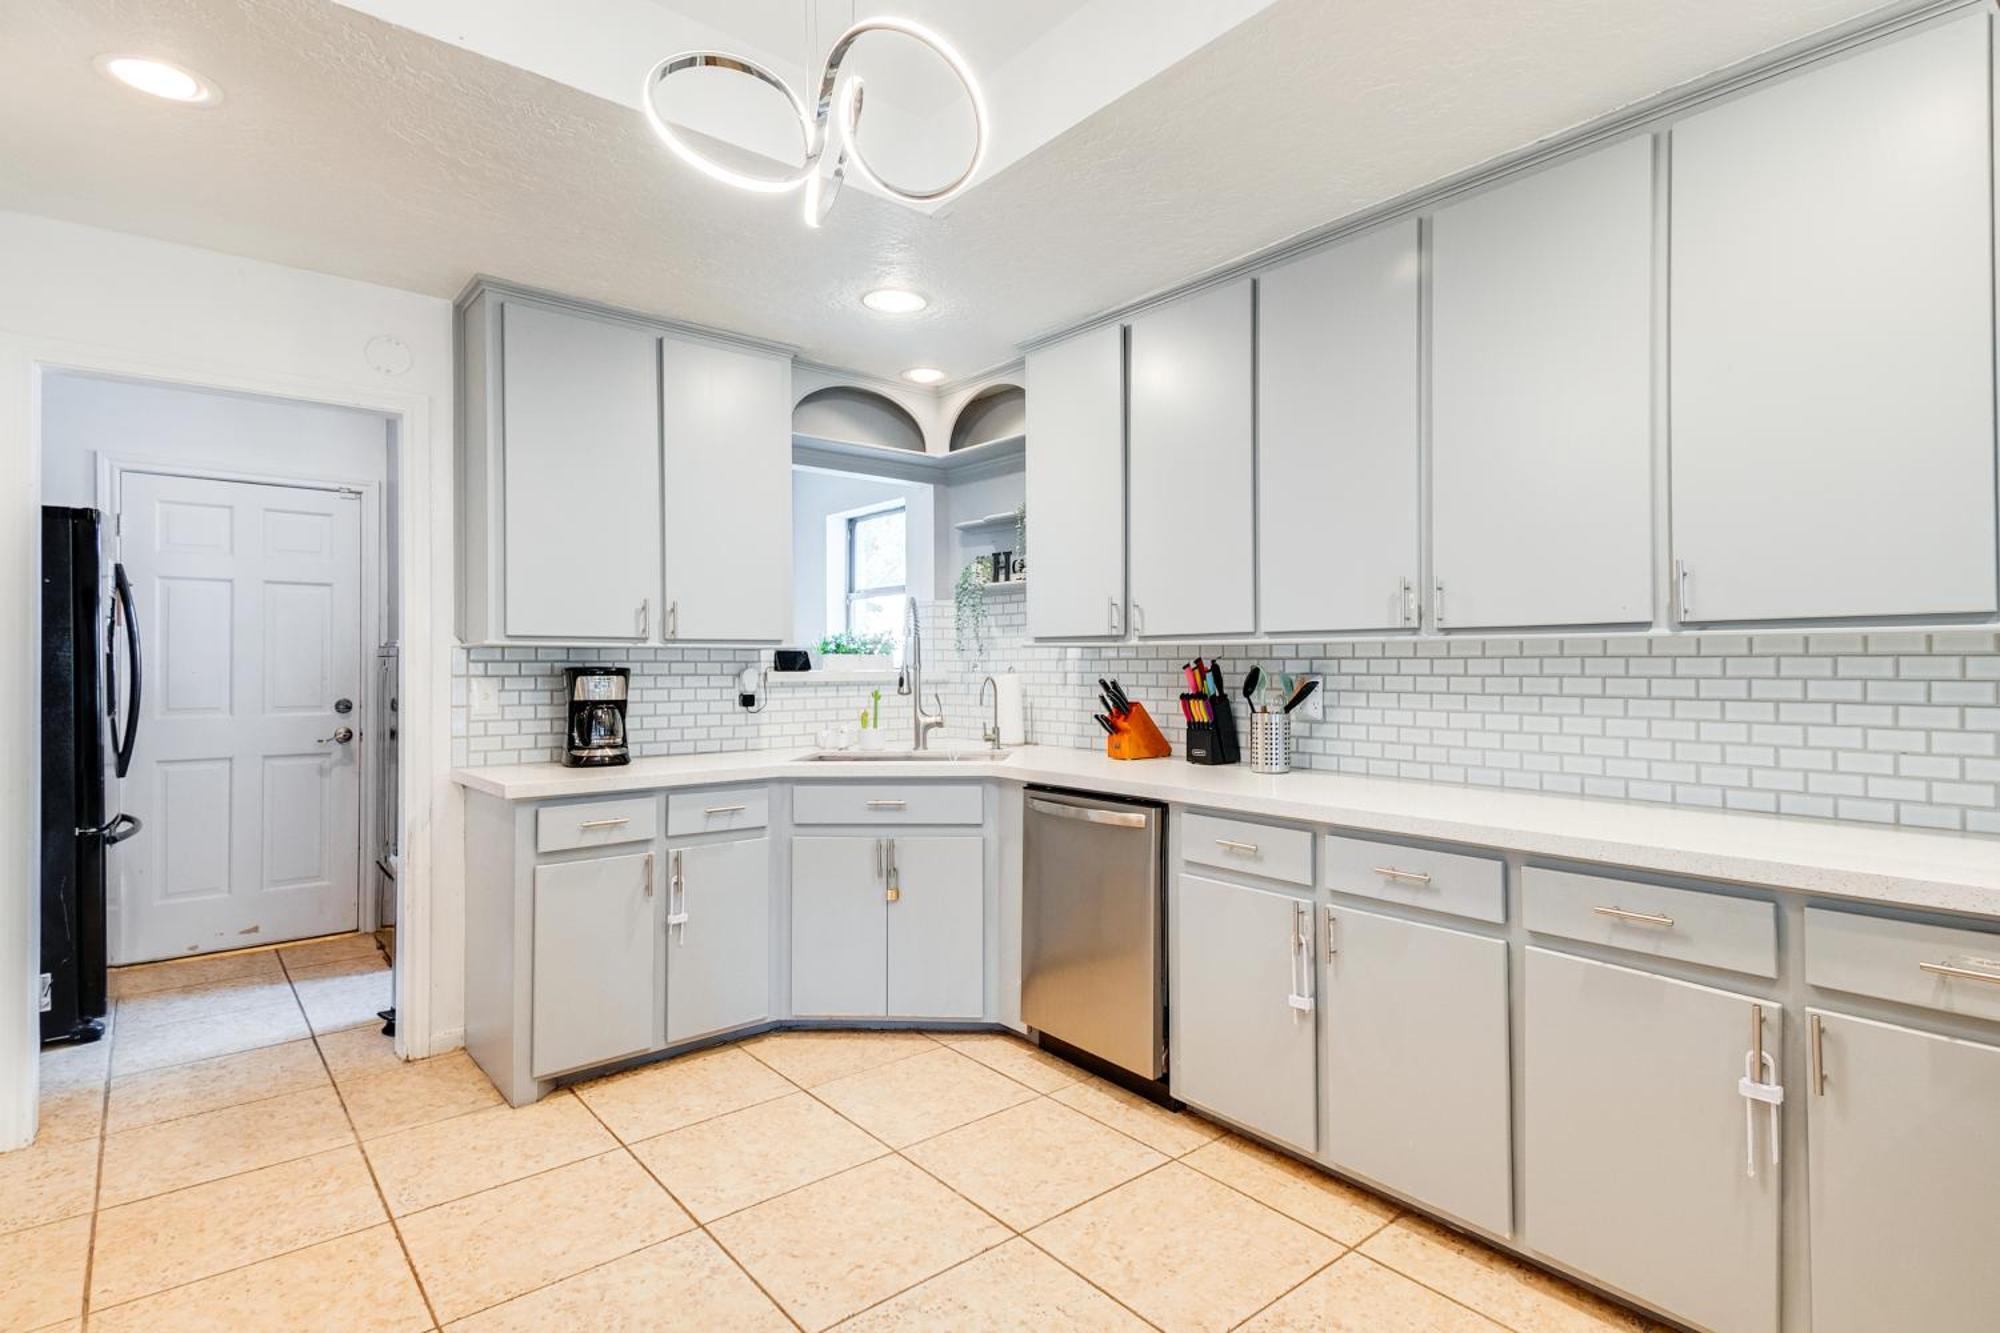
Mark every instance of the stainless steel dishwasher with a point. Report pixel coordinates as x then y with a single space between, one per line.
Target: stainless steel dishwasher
1093 927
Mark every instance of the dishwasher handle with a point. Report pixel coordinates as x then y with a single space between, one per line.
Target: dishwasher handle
1089 814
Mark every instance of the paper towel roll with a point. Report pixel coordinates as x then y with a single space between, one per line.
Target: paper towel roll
1013 718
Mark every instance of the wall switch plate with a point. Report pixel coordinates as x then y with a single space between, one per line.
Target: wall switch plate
1314 708
485 697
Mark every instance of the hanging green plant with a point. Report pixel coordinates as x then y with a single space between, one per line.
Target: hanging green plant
969 605
1021 541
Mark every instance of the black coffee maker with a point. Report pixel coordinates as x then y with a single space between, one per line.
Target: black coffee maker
596 735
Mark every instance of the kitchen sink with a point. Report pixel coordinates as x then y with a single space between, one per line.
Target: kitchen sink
901 756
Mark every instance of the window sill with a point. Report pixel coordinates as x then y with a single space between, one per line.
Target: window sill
786 679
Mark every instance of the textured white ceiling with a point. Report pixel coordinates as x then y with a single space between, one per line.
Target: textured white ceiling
349 146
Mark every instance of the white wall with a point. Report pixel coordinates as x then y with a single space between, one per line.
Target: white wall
85 415
815 495
82 298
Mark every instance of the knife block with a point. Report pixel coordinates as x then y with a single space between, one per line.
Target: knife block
1137 737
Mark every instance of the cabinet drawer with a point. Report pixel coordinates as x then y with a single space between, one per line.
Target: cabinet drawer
1256 849
561 828
1473 886
1739 934
716 811
1937 967
889 803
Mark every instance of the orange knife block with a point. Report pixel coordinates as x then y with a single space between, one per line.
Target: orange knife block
1137 737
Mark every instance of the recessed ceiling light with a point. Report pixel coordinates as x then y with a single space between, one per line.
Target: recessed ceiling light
159 79
894 301
923 375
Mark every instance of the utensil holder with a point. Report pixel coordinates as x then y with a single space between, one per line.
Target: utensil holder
1271 742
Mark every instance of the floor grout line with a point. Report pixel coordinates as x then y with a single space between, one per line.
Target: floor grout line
97 1186
699 1224
368 1165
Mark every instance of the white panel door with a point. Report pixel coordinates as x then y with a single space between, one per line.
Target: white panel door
1905 1171
718 937
581 472
727 426
1242 981
1541 397
1833 339
1337 463
250 600
1192 505
937 927
1416 1062
1636 1168
597 962
839 926
1076 486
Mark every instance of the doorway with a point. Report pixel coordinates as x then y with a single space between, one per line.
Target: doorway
249 531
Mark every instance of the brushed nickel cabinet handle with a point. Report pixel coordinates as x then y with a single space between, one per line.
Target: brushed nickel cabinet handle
649 874
1639 918
619 822
1406 876
1818 1054
1956 973
724 809
1329 934
1231 845
887 805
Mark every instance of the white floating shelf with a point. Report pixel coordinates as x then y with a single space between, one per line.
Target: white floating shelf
990 521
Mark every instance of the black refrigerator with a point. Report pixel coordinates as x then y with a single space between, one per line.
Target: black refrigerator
83 639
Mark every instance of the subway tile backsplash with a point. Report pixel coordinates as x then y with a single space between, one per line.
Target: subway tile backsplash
1899 728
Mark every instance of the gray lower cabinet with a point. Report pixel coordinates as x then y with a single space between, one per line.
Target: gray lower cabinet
1635 1167
718 937
597 962
937 928
889 926
1243 1040
840 928
1904 1171
1415 1062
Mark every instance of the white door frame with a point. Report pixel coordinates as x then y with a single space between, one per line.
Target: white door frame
112 470
425 576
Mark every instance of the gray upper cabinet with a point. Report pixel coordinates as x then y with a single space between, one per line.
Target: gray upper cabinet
1541 397
1832 344
1905 1171
1192 464
580 476
1076 485
727 442
1635 1165
1337 460
619 479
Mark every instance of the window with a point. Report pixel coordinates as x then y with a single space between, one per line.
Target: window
876 579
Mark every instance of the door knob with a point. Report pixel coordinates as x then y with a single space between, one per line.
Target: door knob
341 736
343 706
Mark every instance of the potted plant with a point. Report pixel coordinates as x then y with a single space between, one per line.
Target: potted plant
871 722
845 652
968 601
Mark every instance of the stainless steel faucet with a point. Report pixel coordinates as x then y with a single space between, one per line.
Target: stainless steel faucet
922 724
991 733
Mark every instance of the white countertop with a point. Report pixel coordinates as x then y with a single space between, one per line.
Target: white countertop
1937 871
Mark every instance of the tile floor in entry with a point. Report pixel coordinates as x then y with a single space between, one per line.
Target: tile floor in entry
244 1151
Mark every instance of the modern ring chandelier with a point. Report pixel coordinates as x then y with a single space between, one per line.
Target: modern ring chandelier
820 127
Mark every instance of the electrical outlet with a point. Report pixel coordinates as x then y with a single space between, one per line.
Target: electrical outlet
485 697
1314 708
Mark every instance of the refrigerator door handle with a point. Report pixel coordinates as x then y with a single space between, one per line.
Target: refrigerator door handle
122 742
115 829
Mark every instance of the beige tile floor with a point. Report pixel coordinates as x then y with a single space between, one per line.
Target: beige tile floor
244 1152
